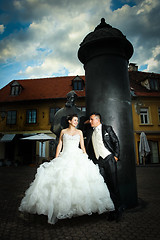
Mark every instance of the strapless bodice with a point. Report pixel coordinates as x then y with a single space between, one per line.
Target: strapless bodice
70 142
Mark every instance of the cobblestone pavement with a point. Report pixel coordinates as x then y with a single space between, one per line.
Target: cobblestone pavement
141 223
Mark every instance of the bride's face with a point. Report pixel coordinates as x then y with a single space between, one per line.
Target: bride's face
74 122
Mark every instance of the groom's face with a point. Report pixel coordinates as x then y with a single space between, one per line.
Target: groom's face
94 121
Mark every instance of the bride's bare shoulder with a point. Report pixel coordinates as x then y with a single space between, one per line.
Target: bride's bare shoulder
79 132
63 131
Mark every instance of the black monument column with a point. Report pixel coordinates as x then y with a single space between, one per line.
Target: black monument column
105 53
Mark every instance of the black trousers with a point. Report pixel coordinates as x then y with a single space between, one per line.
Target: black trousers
108 169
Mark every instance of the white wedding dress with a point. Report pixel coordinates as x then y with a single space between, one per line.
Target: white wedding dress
69 185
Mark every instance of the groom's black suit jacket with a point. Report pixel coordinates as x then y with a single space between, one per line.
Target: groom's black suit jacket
110 141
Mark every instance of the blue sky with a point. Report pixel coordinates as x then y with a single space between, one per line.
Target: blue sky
40 38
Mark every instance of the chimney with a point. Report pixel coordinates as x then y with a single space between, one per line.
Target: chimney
133 67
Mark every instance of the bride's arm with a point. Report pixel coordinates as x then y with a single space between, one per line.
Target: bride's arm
82 142
59 146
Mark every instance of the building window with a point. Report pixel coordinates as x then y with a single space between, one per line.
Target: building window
78 83
11 117
144 116
83 109
52 113
159 114
31 116
15 88
153 156
153 84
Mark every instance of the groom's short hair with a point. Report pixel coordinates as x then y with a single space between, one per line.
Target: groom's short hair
97 115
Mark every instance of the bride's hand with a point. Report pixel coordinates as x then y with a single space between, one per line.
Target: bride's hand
85 153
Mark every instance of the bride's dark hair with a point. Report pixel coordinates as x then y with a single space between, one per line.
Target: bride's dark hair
71 116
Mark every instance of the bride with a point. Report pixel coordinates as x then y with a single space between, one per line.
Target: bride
70 184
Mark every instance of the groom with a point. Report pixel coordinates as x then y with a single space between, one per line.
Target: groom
102 146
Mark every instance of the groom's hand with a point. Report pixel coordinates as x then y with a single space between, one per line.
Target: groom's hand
87 122
116 159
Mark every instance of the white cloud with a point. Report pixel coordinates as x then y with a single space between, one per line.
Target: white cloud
153 62
146 6
50 44
141 26
60 32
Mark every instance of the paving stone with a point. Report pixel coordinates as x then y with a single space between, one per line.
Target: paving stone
140 223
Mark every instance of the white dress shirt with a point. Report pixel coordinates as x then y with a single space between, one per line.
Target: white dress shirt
98 145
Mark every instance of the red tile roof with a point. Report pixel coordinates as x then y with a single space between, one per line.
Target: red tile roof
58 87
42 88
136 77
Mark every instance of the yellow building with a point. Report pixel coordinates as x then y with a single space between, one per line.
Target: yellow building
28 106
145 89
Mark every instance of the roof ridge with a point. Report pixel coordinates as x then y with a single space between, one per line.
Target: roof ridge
42 78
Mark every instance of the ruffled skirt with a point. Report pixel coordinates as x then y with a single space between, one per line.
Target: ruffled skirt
69 185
